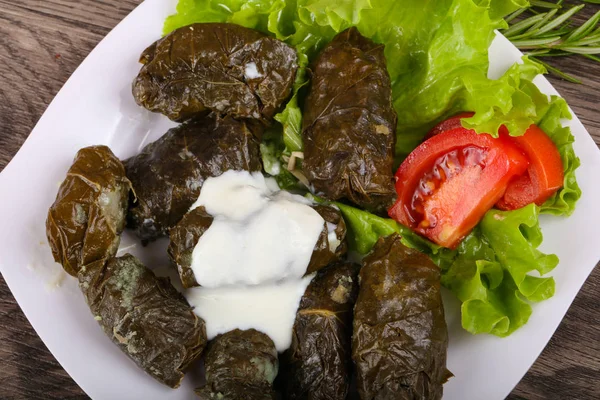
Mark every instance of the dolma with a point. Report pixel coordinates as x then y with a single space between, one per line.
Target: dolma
318 363
144 316
400 336
168 174
240 365
218 67
84 223
349 124
185 236
328 251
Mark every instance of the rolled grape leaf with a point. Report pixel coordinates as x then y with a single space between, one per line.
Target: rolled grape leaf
184 237
400 337
224 68
349 124
144 316
318 364
240 365
168 174
331 245
88 215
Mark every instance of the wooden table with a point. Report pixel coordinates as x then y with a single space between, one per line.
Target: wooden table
43 42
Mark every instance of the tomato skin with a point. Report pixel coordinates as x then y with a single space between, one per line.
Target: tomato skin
544 176
449 124
458 204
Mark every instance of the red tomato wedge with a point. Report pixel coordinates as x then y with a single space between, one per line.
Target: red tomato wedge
451 123
544 176
451 180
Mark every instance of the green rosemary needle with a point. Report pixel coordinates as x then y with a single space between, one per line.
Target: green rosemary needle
544 29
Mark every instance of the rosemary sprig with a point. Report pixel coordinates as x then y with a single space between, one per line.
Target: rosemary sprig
544 29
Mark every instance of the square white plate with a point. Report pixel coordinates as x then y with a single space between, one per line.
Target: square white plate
96 107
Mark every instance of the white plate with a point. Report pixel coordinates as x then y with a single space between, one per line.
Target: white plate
96 107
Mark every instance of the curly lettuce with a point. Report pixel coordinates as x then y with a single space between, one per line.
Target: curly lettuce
437 54
562 202
490 272
515 101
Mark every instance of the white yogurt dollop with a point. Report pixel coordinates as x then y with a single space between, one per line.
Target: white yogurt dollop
269 308
259 234
250 263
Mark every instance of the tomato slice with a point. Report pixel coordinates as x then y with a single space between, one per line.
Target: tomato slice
544 176
449 124
451 180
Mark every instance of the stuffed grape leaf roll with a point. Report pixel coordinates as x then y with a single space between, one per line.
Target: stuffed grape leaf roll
331 244
88 215
349 124
168 174
318 364
183 237
240 365
400 337
144 316
218 67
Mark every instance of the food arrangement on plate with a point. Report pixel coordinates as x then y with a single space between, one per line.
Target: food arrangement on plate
316 169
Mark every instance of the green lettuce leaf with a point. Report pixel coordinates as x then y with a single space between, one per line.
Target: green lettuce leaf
501 8
281 19
490 271
270 158
337 14
291 117
430 48
251 14
437 54
512 100
515 102
514 237
271 150
364 229
192 11
562 202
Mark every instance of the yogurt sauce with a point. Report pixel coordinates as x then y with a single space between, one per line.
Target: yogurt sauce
250 263
269 308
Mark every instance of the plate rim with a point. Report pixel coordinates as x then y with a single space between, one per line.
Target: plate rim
8 170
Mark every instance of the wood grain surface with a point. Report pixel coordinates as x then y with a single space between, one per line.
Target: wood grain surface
43 42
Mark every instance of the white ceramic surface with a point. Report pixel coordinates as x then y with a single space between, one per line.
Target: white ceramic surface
96 107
